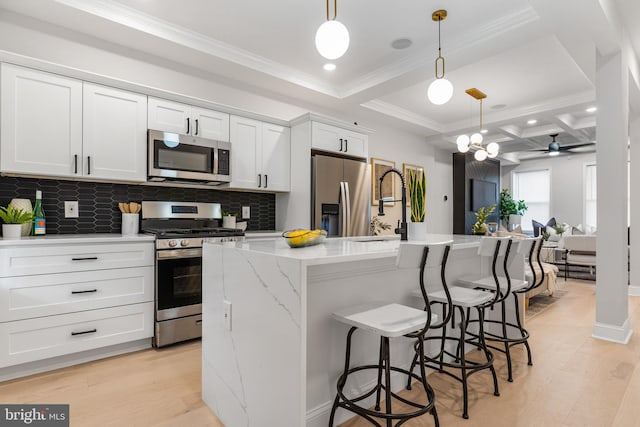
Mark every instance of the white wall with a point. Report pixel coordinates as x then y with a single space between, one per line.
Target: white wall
62 47
567 184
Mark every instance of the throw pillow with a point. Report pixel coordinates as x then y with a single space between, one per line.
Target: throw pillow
576 231
539 228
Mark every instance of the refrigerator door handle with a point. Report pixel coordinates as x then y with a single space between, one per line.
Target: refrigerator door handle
347 199
343 213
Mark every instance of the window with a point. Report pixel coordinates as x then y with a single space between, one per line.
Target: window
534 188
590 195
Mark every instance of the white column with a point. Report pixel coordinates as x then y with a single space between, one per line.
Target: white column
634 139
612 93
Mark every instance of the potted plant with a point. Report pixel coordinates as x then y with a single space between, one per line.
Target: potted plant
229 219
511 211
480 227
13 219
417 186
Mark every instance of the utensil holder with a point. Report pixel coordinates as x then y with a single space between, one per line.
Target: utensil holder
130 223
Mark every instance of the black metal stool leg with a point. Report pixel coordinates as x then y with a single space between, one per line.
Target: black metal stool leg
463 364
343 378
413 365
507 347
522 330
487 354
423 377
379 385
387 380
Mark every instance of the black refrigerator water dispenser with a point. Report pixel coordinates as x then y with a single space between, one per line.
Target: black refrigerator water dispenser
330 219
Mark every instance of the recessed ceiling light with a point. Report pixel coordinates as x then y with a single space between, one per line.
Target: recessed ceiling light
483 131
498 106
329 66
591 109
532 122
401 43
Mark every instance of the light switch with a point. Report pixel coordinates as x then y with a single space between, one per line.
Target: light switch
246 212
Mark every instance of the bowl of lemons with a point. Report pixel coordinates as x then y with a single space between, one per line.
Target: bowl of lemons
302 237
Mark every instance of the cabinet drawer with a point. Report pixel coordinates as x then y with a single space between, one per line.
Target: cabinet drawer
46 259
35 339
26 297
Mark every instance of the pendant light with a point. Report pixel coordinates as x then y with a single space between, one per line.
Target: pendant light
332 37
440 90
474 141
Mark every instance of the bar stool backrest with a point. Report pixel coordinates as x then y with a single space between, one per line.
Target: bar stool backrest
535 264
496 247
423 256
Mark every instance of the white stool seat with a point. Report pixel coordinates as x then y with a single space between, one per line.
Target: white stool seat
387 320
462 297
489 282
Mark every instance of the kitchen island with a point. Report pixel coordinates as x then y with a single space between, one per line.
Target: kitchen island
271 352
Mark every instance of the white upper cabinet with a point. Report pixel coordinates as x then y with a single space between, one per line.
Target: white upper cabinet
41 122
169 116
337 140
57 126
260 155
114 134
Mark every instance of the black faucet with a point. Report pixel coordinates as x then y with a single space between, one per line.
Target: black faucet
402 227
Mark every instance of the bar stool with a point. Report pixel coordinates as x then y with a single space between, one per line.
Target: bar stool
510 333
462 299
389 321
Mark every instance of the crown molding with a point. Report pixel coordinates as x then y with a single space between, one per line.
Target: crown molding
315 117
402 114
132 18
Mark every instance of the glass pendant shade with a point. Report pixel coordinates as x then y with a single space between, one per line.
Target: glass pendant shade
480 155
476 138
463 143
440 91
332 39
493 148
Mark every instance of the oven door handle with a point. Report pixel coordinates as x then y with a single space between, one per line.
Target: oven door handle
179 253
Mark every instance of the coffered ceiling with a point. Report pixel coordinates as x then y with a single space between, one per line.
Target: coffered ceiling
513 50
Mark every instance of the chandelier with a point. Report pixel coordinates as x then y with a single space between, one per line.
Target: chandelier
440 90
474 141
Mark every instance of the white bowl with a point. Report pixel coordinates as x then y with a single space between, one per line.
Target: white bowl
241 225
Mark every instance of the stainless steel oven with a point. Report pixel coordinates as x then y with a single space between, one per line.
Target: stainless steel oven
188 158
180 228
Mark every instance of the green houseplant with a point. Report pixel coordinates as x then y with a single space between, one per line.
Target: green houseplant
13 219
417 186
508 206
480 227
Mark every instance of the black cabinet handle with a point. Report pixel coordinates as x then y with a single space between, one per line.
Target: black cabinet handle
346 145
340 144
188 125
88 165
90 331
196 126
88 258
84 292
198 322
75 163
266 177
259 180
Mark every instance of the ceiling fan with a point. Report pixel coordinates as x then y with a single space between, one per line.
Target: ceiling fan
555 148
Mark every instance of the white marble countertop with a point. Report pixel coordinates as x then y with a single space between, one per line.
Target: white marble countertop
345 249
76 238
262 234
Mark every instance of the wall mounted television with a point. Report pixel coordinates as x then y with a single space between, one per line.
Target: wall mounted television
483 193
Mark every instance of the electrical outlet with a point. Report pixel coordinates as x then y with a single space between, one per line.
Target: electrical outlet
246 212
227 314
71 209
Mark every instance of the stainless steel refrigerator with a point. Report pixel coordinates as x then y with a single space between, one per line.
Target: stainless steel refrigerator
340 195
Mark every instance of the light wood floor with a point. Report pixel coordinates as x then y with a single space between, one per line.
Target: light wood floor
575 381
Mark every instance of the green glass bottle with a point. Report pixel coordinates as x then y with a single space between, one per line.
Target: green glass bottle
39 220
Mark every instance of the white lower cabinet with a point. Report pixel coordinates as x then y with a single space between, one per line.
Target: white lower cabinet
59 299
44 337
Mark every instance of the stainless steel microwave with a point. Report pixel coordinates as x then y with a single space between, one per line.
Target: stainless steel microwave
174 157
